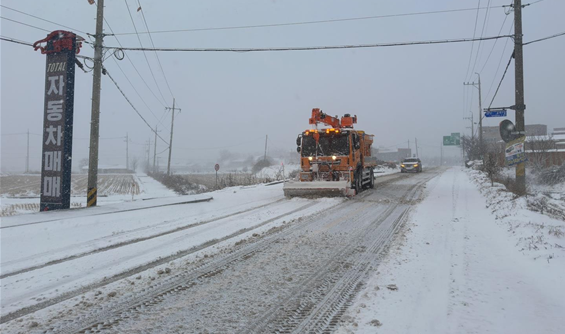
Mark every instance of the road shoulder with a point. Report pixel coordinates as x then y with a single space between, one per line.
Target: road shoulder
455 269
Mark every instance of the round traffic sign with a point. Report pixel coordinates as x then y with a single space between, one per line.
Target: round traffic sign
217 167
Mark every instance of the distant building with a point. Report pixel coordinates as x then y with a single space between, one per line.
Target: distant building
393 155
491 134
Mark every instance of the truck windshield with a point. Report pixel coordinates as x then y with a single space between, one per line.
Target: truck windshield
330 144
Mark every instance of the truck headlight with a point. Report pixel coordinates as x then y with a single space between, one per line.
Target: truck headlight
334 157
310 158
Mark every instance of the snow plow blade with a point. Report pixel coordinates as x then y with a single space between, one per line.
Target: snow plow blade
317 189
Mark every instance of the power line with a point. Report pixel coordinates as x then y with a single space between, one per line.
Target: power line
473 44
42 19
131 104
499 62
221 147
545 38
310 22
494 44
310 48
25 24
136 91
133 65
485 24
13 40
502 79
156 54
144 55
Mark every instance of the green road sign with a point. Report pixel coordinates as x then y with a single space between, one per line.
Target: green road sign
453 140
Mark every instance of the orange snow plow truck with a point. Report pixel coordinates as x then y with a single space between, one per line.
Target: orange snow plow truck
335 160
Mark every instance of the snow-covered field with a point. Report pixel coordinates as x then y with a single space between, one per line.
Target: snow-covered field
470 260
20 193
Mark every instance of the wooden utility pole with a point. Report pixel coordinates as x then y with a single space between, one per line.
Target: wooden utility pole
519 88
416 143
478 86
171 140
92 191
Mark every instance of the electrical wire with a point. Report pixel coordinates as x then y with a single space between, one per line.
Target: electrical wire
144 54
132 106
502 79
473 44
545 38
310 22
137 92
499 62
485 24
42 19
494 44
25 24
133 65
220 147
311 48
156 54
13 40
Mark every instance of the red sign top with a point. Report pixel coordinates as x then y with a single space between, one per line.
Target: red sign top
217 167
58 41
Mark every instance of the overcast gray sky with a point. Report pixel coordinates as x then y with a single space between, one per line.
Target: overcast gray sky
233 99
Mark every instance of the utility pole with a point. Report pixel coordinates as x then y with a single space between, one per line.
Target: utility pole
127 151
519 81
478 86
27 157
92 193
266 139
416 143
472 125
154 150
171 140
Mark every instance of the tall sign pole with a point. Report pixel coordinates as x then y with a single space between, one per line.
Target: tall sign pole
92 192
519 81
61 48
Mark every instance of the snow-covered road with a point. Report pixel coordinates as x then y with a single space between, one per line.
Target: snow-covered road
456 270
422 253
69 264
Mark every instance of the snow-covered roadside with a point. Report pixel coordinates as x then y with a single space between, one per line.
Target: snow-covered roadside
456 268
537 235
383 170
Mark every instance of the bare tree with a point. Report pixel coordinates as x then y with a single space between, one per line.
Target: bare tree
472 147
539 148
491 166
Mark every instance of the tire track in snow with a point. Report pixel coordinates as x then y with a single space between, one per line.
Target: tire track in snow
162 260
132 241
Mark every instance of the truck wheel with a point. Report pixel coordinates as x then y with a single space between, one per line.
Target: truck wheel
358 183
